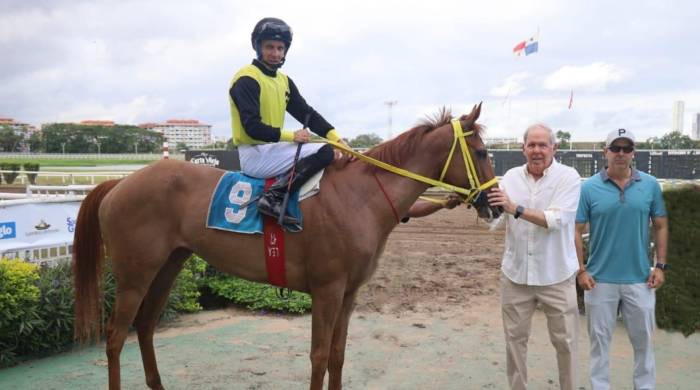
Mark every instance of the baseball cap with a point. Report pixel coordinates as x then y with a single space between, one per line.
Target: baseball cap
617 134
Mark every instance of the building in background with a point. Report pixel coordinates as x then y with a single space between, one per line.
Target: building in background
696 127
677 120
24 129
187 131
14 125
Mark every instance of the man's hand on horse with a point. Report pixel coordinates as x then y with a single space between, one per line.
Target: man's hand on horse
302 136
451 201
498 197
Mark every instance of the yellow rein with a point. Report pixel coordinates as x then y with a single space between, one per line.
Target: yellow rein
470 193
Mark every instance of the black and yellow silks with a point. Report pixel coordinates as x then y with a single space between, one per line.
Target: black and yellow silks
273 100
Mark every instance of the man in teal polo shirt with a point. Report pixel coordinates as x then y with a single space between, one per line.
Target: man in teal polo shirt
617 204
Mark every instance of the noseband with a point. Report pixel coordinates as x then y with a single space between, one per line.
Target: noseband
476 187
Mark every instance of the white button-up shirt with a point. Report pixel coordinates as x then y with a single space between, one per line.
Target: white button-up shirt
535 255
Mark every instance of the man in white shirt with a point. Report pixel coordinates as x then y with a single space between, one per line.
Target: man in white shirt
539 260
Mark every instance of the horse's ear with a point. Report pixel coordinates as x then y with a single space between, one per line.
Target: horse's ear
477 111
470 119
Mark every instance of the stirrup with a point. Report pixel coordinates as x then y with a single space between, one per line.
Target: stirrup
287 220
270 212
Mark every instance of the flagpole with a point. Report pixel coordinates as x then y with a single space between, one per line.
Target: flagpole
510 125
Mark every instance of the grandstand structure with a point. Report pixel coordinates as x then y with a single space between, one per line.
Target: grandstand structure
663 164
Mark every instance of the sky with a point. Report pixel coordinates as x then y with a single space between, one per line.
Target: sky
149 61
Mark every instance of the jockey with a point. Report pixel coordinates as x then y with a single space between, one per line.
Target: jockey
259 96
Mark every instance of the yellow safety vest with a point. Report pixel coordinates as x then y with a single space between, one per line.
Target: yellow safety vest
274 94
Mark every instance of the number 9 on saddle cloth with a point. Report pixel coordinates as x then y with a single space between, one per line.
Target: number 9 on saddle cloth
235 189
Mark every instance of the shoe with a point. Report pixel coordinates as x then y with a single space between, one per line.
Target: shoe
270 204
271 201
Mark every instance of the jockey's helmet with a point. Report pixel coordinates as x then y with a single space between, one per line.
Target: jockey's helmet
270 29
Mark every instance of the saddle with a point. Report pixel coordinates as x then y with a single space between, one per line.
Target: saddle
235 190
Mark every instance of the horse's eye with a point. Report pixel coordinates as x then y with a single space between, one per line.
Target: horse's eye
482 153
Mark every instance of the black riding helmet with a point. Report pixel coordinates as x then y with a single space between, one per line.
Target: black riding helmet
271 29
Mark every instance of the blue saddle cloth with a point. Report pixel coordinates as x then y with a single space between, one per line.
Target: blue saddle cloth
235 189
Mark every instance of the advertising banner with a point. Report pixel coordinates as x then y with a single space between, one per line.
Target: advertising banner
37 224
223 159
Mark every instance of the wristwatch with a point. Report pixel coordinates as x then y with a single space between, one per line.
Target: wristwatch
662 266
518 211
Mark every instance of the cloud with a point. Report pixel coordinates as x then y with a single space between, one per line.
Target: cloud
593 114
513 85
137 110
594 77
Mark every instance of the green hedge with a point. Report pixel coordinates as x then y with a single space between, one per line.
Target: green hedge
257 296
36 303
19 308
9 177
31 167
678 300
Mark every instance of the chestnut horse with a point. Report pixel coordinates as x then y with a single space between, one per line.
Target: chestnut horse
150 222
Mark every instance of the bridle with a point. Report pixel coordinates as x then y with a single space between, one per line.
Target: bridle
471 194
475 186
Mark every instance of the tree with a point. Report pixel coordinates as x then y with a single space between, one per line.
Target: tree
564 138
674 140
181 147
10 139
217 145
76 138
365 141
36 143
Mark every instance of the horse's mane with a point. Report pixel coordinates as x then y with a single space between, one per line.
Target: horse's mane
396 150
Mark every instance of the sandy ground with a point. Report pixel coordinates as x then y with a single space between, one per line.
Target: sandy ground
428 319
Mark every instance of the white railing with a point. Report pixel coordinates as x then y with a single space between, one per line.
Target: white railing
667 184
52 191
70 177
45 256
46 194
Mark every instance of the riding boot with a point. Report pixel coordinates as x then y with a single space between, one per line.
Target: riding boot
271 201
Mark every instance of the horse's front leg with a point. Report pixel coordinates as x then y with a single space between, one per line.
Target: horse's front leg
325 308
340 335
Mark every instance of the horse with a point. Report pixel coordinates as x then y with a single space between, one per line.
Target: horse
151 221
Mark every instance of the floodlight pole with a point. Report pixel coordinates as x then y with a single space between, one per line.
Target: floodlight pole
390 104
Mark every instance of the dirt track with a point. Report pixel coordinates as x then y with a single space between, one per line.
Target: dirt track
435 264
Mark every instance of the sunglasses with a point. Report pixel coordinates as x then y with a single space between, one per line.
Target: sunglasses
616 148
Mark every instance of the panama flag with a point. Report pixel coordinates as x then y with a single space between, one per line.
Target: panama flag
529 46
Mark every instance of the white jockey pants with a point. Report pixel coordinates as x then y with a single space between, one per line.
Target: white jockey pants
270 160
636 302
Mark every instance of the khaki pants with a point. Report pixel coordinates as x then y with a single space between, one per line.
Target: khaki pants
518 303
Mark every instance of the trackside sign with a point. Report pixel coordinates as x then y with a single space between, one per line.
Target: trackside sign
7 230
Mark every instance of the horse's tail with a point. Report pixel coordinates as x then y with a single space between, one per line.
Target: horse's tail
87 265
